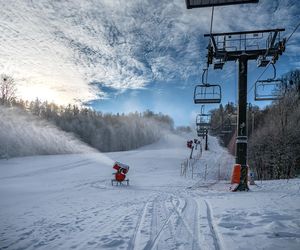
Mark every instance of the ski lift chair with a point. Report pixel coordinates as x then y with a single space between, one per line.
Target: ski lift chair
269 89
202 126
226 130
201 131
203 120
207 93
227 127
201 134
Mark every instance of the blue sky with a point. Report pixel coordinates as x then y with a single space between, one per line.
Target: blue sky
133 55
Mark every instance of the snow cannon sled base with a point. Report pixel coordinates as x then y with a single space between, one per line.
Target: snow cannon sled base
120 176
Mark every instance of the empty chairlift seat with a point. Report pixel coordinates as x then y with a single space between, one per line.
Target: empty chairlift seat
203 120
201 131
227 127
268 90
207 93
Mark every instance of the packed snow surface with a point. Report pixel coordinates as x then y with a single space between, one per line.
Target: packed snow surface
68 202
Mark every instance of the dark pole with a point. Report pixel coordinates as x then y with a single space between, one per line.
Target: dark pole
192 149
241 140
206 143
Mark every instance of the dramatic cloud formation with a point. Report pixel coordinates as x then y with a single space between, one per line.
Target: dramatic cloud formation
84 50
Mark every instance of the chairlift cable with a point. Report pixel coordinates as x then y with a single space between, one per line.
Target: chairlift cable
252 86
297 26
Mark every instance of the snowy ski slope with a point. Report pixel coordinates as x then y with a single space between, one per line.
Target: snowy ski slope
67 202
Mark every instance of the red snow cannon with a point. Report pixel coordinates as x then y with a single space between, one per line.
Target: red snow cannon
120 176
189 144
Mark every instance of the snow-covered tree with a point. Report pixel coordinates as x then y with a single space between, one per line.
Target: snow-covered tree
7 89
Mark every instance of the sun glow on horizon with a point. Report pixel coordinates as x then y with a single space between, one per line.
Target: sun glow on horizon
60 94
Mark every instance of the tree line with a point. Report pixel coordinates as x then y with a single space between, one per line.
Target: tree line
104 131
274 146
223 124
273 132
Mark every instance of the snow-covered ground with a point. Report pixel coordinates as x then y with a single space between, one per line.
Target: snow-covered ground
67 202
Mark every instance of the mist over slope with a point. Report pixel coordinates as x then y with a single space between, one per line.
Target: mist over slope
22 134
105 132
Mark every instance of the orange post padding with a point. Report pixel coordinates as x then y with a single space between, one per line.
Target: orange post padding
236 174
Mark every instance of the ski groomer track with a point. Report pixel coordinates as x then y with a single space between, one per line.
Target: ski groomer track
169 221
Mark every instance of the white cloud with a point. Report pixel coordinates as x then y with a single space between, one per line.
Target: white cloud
65 45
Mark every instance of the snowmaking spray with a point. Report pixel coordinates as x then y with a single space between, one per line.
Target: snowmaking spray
22 134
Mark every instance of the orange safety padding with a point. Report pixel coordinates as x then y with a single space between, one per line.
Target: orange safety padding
236 174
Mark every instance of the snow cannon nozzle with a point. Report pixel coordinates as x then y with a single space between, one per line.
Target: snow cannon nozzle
121 167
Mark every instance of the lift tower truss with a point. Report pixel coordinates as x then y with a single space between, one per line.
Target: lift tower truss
265 46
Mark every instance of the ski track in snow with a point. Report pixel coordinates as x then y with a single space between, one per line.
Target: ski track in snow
212 226
161 221
67 202
136 239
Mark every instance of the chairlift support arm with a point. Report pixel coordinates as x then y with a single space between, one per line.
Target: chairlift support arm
228 55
